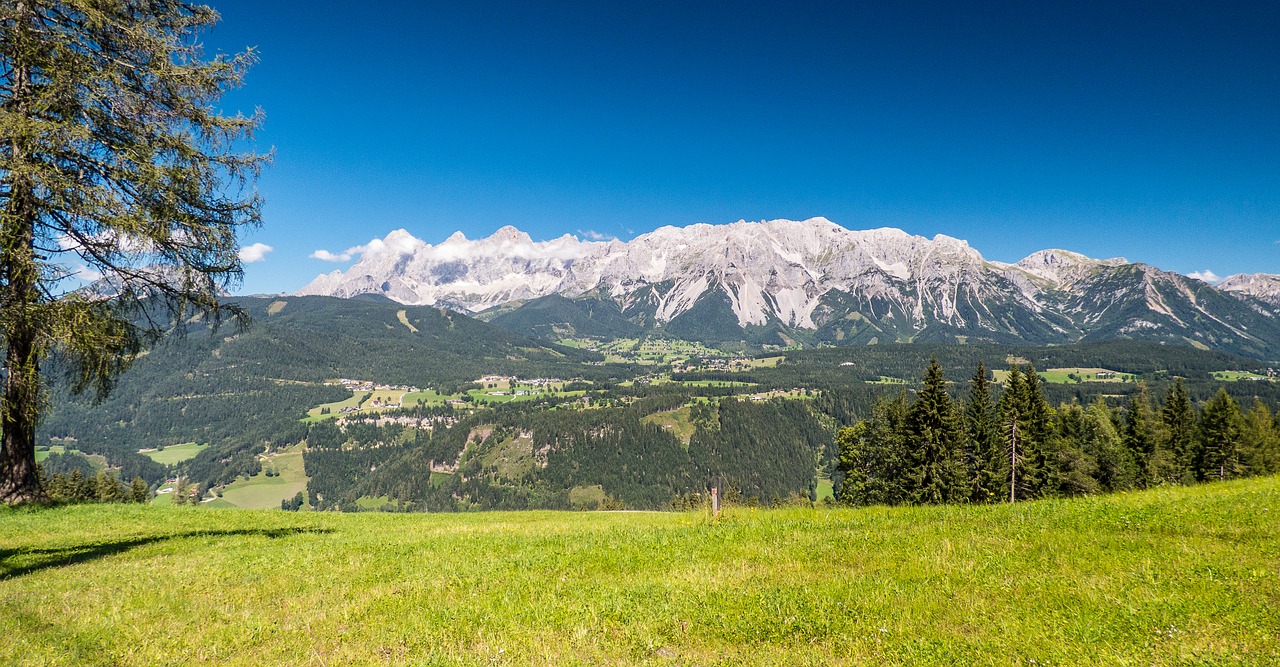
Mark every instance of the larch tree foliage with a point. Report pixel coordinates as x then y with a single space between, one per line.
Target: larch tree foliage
116 165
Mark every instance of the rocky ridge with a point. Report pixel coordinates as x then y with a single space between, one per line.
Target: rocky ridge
813 282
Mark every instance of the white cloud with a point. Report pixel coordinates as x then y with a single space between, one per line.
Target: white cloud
1206 275
65 242
399 242
344 256
86 274
593 235
254 253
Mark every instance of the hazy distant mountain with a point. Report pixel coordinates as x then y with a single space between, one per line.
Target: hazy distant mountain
811 281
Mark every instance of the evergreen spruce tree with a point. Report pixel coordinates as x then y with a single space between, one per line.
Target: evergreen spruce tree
987 465
1036 428
107 488
1179 421
115 158
1025 421
1220 438
934 444
78 488
1012 405
1138 435
1260 448
851 464
138 491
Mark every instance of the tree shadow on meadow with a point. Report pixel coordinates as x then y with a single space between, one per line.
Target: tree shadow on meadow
23 561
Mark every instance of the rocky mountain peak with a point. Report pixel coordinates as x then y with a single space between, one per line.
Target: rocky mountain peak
814 279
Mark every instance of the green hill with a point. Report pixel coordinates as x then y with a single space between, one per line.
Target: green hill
240 391
554 317
1175 576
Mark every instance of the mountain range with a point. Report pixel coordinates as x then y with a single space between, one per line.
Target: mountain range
809 282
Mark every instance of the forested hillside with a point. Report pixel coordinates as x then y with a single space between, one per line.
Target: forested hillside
551 426
242 391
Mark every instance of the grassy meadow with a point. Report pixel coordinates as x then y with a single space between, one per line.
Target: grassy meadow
1177 576
263 492
174 453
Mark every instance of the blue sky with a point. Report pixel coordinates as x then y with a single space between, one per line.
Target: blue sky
1149 130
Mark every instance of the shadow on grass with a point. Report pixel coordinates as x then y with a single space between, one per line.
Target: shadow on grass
20 562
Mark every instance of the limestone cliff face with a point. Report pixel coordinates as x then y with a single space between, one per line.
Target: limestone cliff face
814 278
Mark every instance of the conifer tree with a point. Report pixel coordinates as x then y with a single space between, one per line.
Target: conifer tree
1260 448
78 488
1011 410
1025 421
115 160
1179 421
1036 429
107 488
988 468
1143 439
1220 436
852 466
138 491
934 443
1139 436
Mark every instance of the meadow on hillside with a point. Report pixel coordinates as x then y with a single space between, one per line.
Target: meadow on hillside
1171 576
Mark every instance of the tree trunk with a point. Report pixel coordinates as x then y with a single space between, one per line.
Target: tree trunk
19 481
20 403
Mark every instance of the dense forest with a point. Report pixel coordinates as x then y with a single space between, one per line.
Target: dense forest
1015 446
520 458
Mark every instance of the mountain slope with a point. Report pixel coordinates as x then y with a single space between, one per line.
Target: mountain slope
238 390
808 282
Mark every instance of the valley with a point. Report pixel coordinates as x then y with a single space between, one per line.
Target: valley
359 411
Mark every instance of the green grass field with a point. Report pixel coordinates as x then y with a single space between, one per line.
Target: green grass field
263 492
96 460
1237 376
676 422
174 453
1071 375
1175 576
370 503
335 408
428 397
42 454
